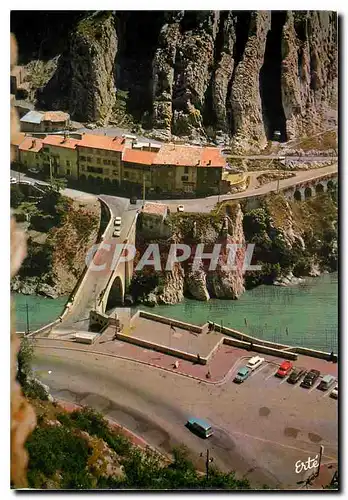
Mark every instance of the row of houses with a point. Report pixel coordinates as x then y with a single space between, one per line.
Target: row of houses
123 161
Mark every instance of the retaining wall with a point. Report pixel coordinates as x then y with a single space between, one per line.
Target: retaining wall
169 321
161 348
248 338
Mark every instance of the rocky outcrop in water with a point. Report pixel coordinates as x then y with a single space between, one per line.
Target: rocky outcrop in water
235 74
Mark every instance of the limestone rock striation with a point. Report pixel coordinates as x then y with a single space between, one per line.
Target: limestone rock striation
235 76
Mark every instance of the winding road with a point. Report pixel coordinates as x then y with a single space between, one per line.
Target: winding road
256 443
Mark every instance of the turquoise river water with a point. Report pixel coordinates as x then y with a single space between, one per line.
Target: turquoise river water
304 314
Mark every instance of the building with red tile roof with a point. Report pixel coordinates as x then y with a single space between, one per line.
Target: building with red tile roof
30 151
139 157
94 141
60 141
31 144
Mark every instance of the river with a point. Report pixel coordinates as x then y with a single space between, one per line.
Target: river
41 310
304 314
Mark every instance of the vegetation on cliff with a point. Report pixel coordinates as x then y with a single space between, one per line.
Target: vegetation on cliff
59 231
81 450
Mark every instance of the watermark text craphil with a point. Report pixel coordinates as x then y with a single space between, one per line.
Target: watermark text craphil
231 257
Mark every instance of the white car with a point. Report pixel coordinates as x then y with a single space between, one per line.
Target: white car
255 362
13 180
180 208
117 221
34 170
117 232
334 393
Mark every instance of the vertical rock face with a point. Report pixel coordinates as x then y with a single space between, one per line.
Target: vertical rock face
309 71
241 75
245 97
87 71
224 71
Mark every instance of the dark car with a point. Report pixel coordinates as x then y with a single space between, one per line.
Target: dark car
295 375
310 379
133 200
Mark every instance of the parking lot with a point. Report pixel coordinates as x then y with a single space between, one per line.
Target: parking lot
274 423
265 377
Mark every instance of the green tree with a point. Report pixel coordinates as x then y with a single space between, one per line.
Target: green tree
58 184
30 209
16 196
24 360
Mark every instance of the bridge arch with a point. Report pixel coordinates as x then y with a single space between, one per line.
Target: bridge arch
116 294
319 188
297 195
308 192
330 185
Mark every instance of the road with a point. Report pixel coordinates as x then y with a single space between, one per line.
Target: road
78 318
207 204
95 282
261 428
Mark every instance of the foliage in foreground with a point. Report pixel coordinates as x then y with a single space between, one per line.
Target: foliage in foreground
60 457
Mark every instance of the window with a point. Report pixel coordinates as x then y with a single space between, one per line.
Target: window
83 168
98 161
105 162
114 163
82 158
89 159
68 171
184 177
126 174
109 162
67 163
186 170
46 150
95 170
115 172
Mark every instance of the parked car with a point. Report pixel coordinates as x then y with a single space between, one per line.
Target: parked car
296 374
117 221
200 427
327 382
310 379
133 200
117 232
255 362
180 208
284 369
13 180
334 393
34 170
243 374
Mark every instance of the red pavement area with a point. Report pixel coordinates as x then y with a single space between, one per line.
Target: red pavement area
219 365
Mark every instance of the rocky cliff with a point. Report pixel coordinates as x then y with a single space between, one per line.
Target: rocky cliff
291 240
229 74
201 283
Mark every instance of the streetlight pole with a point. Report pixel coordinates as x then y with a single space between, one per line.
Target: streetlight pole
27 308
143 188
208 460
51 177
320 457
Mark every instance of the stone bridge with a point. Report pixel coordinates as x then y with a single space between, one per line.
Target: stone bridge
120 278
312 187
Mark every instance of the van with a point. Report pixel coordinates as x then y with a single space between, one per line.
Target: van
327 381
199 427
